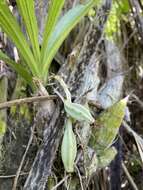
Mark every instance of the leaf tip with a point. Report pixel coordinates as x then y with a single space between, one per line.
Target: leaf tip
125 100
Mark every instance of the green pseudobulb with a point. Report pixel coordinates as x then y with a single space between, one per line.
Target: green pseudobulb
69 147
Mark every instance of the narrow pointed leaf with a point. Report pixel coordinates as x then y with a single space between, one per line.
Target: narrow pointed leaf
10 26
52 17
17 67
27 11
61 31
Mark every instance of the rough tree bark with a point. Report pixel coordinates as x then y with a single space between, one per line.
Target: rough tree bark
85 75
96 76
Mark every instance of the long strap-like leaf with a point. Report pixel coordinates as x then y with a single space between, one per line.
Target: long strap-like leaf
10 26
62 29
52 17
27 11
17 67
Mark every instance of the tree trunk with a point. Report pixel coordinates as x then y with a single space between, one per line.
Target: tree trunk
95 76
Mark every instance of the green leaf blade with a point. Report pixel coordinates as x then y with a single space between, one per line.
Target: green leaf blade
78 112
17 67
53 15
10 26
27 11
107 126
61 31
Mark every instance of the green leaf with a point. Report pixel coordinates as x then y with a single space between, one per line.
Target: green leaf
78 111
27 11
18 68
61 31
74 110
69 147
54 11
107 126
106 157
10 26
